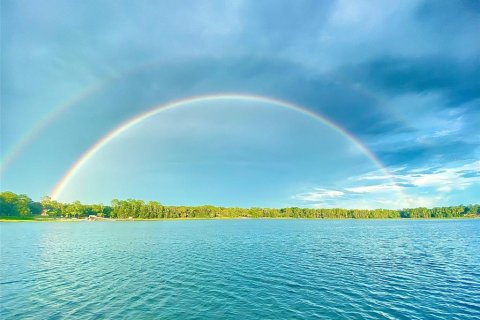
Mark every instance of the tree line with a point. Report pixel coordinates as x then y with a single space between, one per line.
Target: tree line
14 205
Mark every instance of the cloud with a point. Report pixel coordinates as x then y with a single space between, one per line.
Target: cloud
426 186
379 188
401 77
445 179
318 194
395 75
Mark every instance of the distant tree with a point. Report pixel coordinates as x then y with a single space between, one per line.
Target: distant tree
12 204
76 209
97 209
52 208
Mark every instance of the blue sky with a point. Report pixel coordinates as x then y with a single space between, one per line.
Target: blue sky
402 77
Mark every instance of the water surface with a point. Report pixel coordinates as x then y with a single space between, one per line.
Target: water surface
241 269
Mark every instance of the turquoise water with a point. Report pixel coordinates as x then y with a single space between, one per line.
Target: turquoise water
241 269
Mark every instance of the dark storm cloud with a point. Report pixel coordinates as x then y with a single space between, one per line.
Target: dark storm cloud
418 154
458 81
439 14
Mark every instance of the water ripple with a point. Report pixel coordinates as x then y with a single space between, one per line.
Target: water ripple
241 269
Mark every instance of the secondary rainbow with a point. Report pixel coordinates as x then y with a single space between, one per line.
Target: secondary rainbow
10 156
27 139
87 155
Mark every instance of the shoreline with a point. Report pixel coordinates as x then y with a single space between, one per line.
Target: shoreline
69 220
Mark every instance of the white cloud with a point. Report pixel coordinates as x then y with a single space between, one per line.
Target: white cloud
375 188
428 201
318 194
422 187
445 179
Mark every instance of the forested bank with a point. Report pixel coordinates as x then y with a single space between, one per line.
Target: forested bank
14 205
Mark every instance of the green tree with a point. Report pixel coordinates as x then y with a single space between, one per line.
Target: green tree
12 204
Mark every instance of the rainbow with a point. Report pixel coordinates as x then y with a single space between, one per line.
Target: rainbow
123 127
27 139
59 110
18 148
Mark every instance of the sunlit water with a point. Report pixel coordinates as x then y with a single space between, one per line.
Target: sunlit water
241 269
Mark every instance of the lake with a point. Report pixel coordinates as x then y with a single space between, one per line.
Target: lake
241 269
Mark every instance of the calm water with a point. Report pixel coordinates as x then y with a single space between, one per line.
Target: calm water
241 269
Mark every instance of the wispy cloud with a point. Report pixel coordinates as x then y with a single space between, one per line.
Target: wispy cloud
444 179
388 187
426 186
318 194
